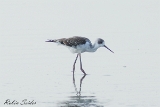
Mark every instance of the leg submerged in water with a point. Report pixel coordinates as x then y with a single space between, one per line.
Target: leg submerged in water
81 64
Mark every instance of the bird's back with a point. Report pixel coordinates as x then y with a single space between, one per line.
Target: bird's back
73 41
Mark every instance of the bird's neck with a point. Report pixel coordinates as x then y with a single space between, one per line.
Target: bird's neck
93 48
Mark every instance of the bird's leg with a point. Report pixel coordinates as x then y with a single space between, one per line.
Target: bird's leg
81 64
75 63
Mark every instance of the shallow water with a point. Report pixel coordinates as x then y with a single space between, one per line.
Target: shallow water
39 74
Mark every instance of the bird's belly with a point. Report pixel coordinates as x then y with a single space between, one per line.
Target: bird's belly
74 50
78 49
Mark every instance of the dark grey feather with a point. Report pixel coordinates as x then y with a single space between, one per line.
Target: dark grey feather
73 41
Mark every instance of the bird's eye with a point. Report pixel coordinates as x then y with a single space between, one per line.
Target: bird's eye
100 41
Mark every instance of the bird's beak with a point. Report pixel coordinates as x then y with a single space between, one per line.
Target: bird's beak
108 48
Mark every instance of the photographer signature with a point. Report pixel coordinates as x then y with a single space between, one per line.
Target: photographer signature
23 102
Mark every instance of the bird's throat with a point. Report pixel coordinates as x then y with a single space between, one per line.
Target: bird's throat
93 48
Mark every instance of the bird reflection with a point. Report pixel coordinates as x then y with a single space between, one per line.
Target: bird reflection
78 92
79 100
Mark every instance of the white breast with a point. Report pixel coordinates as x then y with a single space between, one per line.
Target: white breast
80 48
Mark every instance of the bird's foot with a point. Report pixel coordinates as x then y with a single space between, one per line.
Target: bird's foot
83 71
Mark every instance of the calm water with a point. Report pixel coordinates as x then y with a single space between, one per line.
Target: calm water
39 71
39 74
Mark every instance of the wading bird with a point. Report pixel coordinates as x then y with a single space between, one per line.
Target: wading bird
77 44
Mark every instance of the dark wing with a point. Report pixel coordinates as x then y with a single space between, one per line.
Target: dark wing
74 41
61 41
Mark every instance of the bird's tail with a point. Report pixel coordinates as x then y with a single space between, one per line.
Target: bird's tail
50 40
58 41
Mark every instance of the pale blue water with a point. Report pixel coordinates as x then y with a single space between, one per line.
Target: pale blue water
41 73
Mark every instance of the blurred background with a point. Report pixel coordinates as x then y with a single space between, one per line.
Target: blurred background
33 69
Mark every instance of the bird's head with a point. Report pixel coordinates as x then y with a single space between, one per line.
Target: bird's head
101 43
